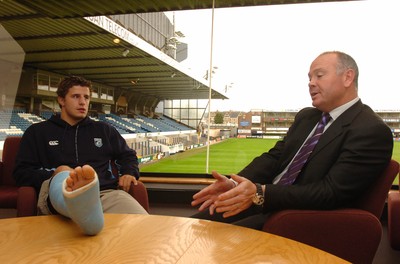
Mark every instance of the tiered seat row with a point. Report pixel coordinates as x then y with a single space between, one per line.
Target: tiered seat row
14 123
122 126
144 124
173 124
163 124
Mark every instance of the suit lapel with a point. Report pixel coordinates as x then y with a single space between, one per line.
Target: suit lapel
338 126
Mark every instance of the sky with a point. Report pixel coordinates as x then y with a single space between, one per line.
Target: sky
263 53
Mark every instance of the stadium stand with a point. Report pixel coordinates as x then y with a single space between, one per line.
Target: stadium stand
15 122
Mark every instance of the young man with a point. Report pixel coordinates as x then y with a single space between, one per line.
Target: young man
350 152
68 141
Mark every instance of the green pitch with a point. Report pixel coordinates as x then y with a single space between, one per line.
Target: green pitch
226 157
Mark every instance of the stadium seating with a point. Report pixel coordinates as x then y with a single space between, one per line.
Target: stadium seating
353 234
142 124
15 122
24 199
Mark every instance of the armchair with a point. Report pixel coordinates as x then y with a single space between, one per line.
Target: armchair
394 219
353 234
24 199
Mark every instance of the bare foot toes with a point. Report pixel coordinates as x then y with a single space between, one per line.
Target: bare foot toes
80 177
70 181
88 172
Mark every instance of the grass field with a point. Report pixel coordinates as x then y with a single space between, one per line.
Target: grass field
226 157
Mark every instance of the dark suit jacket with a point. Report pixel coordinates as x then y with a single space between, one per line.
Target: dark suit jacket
349 156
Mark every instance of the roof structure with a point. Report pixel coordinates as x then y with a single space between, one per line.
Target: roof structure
58 36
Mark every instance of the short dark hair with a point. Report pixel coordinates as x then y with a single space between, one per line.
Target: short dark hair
69 81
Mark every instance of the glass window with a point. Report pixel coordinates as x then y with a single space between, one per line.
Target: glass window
103 93
54 81
176 103
184 103
110 94
184 113
168 112
258 58
167 104
193 103
176 113
95 93
43 81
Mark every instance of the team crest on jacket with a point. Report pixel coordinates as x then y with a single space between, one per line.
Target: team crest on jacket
98 142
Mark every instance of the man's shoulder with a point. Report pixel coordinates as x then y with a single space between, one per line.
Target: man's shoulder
40 125
308 111
363 119
40 130
363 112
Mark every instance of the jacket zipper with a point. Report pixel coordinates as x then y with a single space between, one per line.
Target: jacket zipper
76 145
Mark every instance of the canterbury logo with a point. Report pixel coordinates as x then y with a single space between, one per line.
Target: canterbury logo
53 143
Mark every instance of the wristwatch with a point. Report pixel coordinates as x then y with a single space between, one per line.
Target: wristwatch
258 198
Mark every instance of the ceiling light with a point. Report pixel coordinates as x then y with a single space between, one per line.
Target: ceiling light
116 40
125 52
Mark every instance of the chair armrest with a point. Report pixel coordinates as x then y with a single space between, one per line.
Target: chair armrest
139 192
394 219
351 234
26 201
1 172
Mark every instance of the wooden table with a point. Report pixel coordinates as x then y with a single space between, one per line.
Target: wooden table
147 239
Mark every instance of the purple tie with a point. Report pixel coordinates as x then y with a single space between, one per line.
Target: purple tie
298 162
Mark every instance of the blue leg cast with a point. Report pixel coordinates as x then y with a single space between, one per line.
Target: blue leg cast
85 208
83 205
56 195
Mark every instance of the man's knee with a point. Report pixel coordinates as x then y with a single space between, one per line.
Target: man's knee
120 202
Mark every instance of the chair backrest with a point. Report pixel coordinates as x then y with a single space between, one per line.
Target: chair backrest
10 150
375 197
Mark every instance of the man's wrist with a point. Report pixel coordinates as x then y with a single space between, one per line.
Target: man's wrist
258 198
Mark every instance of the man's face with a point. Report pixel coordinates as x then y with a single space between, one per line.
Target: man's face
326 87
74 107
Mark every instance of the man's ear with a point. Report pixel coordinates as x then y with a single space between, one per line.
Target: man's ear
61 101
348 77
